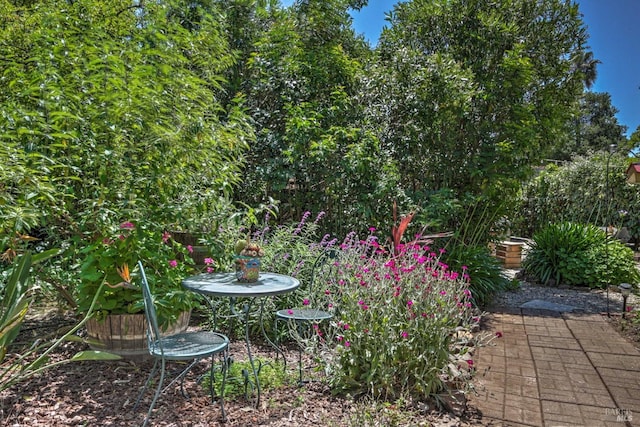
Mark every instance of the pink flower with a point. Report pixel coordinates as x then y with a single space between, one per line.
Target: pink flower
345 326
173 263
127 225
209 270
629 308
347 344
470 363
166 236
404 334
409 303
209 261
443 293
305 301
190 249
289 311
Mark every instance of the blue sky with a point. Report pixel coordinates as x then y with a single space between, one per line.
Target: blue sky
611 25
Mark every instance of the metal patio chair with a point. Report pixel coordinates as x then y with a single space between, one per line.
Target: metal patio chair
185 346
324 266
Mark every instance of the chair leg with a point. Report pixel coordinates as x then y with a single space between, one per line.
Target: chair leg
300 382
157 393
146 384
181 378
225 372
300 350
277 341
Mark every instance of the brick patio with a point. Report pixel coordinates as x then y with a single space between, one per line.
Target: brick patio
556 369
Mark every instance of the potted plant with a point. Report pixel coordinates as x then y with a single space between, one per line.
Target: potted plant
119 324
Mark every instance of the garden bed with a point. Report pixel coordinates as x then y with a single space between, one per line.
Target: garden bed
103 393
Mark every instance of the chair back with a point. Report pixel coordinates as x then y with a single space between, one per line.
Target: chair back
324 271
153 329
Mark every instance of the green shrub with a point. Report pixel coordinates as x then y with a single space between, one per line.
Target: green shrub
396 321
577 192
26 362
578 254
486 276
240 379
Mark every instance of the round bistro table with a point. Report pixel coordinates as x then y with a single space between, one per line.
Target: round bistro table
226 285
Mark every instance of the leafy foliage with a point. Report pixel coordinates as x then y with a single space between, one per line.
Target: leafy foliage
15 302
238 383
480 87
577 192
108 258
396 322
486 276
594 129
116 106
576 254
34 359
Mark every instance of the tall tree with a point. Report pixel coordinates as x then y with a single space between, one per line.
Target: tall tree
594 128
472 92
302 72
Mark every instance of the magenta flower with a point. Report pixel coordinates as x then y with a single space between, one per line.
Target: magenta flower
443 293
305 301
165 237
209 270
190 249
127 225
209 261
173 263
404 334
347 344
409 303
289 311
470 363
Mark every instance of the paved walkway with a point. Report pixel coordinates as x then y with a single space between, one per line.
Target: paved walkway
556 369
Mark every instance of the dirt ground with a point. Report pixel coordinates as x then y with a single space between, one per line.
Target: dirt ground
96 393
104 393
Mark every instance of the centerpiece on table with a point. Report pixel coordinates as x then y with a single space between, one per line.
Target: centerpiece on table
247 260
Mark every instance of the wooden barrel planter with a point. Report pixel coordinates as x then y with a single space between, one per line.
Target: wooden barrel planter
126 334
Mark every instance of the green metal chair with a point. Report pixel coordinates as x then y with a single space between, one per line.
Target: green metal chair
184 346
324 266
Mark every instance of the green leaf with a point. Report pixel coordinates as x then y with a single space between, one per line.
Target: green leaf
95 355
